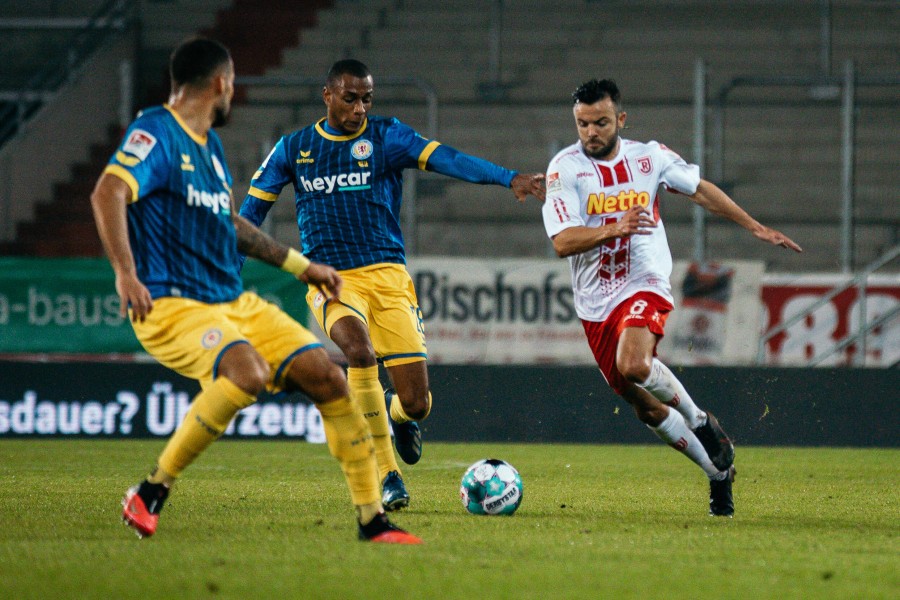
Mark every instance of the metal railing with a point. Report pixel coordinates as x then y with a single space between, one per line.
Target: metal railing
845 88
428 91
17 106
860 282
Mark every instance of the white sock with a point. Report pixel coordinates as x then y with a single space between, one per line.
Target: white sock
666 388
674 431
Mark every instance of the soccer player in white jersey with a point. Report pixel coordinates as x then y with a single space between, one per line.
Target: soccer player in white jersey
602 213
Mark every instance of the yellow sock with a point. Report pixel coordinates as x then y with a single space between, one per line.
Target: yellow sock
400 416
368 394
209 416
350 441
367 512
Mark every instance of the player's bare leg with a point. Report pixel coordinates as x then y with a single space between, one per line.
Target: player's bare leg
410 404
349 440
634 359
242 375
411 384
352 337
635 356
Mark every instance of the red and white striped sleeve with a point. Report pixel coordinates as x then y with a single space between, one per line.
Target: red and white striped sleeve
562 208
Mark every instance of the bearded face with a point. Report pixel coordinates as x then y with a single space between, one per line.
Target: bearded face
598 127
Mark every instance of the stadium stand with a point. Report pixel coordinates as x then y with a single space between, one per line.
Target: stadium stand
781 157
50 169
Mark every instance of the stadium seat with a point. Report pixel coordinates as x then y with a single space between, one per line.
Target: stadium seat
781 155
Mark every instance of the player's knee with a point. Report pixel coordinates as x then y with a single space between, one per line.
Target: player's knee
325 383
333 382
255 378
251 374
244 366
634 369
360 354
418 406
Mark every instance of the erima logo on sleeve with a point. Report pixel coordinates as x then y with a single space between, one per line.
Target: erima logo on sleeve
345 182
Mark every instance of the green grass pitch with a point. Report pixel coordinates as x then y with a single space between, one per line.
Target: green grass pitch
273 520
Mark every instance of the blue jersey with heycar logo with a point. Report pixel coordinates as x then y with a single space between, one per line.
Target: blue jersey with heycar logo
179 214
348 189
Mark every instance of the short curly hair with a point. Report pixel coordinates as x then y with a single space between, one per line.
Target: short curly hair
347 66
196 60
596 90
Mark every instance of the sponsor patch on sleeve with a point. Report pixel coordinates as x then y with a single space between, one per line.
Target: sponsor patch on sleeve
670 151
139 143
553 182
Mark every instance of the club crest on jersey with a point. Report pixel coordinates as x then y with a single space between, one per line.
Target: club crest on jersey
362 150
139 143
211 338
645 165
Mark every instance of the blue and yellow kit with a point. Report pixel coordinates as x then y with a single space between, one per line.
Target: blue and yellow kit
348 188
184 244
179 214
348 191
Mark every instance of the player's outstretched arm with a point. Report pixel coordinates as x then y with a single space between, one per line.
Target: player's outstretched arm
713 199
253 242
449 161
525 184
578 239
108 202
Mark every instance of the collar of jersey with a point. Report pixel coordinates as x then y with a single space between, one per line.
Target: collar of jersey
339 138
197 138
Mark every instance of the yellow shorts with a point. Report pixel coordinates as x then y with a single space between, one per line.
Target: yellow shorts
190 336
383 297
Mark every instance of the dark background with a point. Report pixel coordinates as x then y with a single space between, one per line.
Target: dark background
552 404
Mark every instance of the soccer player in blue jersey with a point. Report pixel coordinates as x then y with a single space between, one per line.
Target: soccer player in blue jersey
346 170
164 210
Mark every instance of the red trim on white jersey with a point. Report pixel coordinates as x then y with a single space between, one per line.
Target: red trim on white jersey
603 276
605 175
561 210
622 172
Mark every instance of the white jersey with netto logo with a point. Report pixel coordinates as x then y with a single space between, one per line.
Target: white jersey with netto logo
582 191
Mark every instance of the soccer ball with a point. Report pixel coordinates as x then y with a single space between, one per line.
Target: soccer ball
491 487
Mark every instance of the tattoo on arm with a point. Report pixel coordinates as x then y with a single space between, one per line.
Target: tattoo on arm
253 242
